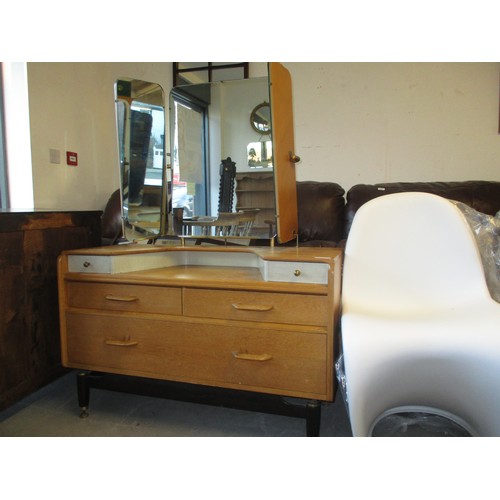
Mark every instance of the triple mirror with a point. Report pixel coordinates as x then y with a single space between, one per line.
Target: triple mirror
230 174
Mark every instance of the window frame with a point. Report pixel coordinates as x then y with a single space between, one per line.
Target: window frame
4 191
211 70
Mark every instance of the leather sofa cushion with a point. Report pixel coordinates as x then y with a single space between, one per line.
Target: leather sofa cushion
483 196
320 208
111 222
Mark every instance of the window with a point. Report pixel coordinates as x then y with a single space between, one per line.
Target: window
154 165
16 138
189 173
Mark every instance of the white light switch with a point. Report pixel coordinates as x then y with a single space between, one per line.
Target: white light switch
54 156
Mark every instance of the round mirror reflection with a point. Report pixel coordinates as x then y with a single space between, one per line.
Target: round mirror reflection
260 118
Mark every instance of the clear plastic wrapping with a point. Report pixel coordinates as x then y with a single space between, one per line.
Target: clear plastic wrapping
341 378
486 229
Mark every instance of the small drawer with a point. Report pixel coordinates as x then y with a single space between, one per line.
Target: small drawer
295 309
295 272
133 298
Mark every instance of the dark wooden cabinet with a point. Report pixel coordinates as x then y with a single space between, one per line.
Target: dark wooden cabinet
30 244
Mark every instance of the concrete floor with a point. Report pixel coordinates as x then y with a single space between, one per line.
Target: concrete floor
167 466
53 412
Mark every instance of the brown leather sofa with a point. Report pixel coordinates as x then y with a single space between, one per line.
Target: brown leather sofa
325 211
111 221
325 217
320 214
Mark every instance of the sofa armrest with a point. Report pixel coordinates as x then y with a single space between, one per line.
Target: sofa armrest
320 208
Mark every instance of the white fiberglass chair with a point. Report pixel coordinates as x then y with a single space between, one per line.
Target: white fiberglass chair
420 330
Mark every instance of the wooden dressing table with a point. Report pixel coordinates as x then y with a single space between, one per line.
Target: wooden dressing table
251 327
246 327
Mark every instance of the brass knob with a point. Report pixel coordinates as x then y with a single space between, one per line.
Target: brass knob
293 157
297 272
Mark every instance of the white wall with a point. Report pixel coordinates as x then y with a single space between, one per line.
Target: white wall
354 123
72 109
388 122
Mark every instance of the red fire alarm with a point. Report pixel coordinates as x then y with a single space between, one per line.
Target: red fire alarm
71 158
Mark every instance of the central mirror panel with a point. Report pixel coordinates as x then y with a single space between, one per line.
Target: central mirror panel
223 170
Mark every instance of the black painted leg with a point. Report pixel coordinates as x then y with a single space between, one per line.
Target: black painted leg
313 418
83 388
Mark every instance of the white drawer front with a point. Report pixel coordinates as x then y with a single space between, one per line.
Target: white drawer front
110 264
296 272
89 264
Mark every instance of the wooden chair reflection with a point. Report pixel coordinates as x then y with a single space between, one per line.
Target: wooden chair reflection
227 224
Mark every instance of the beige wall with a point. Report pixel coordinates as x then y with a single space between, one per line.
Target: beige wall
387 122
354 122
72 109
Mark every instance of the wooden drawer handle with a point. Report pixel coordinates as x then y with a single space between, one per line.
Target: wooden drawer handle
252 357
251 307
122 298
121 343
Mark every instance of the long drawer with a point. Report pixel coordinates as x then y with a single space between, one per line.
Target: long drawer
285 308
290 362
133 298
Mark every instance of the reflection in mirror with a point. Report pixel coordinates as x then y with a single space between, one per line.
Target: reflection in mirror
260 118
186 73
260 154
209 129
140 115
